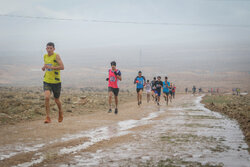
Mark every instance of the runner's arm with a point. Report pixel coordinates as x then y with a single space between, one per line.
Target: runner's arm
144 84
118 74
135 80
168 86
161 84
43 68
119 77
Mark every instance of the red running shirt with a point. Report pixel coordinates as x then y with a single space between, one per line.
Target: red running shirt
173 90
113 81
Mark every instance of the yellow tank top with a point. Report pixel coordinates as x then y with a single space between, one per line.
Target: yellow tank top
51 76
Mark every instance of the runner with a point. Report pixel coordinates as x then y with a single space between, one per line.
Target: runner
194 90
114 76
148 90
200 90
158 85
166 86
173 91
52 80
153 88
186 90
140 83
238 91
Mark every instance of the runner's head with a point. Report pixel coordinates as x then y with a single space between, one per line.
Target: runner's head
154 78
113 65
166 78
159 78
50 47
139 73
147 81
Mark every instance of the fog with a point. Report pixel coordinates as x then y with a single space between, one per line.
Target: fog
203 37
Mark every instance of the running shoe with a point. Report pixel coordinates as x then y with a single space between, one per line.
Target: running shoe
116 111
110 110
47 120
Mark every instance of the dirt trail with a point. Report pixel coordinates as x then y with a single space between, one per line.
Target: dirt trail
182 133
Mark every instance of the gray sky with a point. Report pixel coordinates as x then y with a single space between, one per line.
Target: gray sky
165 48
19 34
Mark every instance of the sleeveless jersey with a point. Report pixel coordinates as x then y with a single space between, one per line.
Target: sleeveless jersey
51 76
113 81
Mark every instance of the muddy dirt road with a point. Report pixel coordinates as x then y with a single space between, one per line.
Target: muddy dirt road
183 133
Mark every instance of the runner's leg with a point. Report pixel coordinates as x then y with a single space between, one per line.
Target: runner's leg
110 99
153 94
59 105
47 106
148 97
116 101
140 96
167 98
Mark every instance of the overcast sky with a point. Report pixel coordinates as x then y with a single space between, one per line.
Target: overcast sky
20 34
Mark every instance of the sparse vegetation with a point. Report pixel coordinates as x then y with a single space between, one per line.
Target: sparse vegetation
24 104
235 107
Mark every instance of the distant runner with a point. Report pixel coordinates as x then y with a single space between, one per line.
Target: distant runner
140 83
186 90
194 90
148 90
200 90
170 92
166 86
158 85
153 88
52 80
238 91
114 76
173 91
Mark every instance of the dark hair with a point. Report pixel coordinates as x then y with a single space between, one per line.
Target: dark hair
147 80
166 77
51 44
159 77
139 72
154 77
113 63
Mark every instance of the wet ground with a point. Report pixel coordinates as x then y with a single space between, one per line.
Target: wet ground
184 133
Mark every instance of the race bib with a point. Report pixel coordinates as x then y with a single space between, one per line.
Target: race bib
112 79
49 69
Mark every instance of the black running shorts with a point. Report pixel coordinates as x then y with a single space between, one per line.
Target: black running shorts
139 89
55 88
114 90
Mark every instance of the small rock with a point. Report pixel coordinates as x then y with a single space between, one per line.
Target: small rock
83 97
